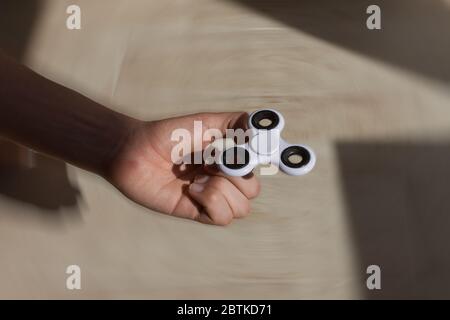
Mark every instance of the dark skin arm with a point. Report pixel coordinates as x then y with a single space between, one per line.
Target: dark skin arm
50 118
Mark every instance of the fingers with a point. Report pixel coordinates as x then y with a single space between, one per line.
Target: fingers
226 120
238 202
221 199
216 207
213 127
249 185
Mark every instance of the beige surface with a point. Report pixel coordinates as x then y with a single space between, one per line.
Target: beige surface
155 59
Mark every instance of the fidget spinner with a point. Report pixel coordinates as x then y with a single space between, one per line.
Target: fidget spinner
265 146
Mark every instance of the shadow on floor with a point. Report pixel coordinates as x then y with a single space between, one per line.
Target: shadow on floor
41 181
44 184
399 211
17 20
414 33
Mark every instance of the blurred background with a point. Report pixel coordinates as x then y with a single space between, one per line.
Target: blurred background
373 104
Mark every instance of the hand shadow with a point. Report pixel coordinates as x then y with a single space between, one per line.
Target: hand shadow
35 179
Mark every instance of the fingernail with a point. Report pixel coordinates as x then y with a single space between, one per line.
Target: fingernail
201 178
197 187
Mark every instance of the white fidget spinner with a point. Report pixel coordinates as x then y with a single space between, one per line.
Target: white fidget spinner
265 146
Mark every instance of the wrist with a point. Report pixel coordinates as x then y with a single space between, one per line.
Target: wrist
129 128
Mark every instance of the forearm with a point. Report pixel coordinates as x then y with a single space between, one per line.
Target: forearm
50 118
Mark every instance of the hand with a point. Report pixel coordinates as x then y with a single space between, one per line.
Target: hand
144 172
134 156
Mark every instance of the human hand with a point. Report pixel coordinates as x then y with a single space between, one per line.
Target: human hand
134 156
143 170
